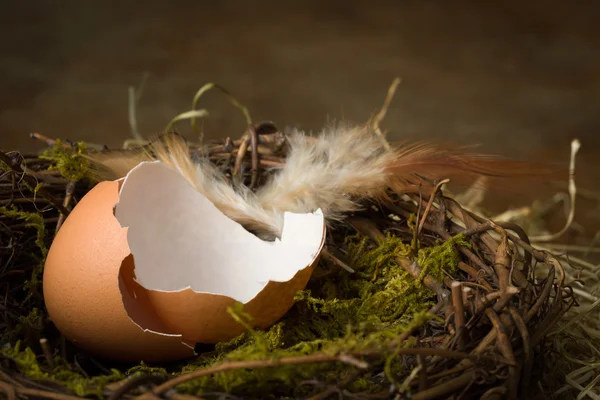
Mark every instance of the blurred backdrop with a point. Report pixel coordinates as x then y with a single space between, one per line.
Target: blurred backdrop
520 78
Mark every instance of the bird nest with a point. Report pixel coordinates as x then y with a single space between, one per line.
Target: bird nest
415 297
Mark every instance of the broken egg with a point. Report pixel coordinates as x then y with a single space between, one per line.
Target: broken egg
146 267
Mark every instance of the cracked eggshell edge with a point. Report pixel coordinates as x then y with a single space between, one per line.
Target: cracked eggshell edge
169 221
180 240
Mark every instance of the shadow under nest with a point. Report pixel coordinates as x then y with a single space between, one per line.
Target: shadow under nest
416 298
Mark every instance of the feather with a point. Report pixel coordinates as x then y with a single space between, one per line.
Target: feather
346 164
113 165
335 172
431 160
237 202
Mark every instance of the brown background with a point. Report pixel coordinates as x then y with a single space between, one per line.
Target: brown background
520 78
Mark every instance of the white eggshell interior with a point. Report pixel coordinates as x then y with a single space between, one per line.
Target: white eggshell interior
180 240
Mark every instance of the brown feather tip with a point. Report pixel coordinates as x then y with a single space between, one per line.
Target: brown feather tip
413 162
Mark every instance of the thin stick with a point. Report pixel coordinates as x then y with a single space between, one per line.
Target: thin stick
381 114
475 274
542 298
430 203
501 266
348 359
43 394
33 183
501 299
423 373
8 390
505 348
47 353
70 189
575 145
459 314
528 360
325 252
448 387
240 156
233 365
255 159
134 98
48 140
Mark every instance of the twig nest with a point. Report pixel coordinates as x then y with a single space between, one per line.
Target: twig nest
145 267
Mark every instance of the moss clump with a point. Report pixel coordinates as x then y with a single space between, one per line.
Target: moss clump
32 220
69 161
441 260
145 369
81 385
343 313
36 221
31 322
339 312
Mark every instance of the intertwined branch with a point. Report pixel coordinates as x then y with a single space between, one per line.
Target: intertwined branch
493 315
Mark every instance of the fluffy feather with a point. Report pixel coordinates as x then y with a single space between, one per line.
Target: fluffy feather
237 202
426 159
114 165
333 172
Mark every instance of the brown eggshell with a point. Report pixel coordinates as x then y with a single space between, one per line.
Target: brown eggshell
88 264
176 310
192 262
92 281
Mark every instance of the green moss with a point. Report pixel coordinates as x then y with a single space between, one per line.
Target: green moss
27 323
341 312
81 385
145 369
441 260
68 161
347 312
36 221
32 220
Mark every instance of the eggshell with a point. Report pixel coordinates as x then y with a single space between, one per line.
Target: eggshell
156 276
84 283
195 262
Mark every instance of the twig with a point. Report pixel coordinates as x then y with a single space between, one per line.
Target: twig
255 159
459 314
542 298
48 140
507 351
47 353
134 98
70 189
33 183
240 156
135 382
234 365
43 394
437 187
381 114
423 373
528 359
336 388
447 387
575 145
501 266
497 300
325 252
